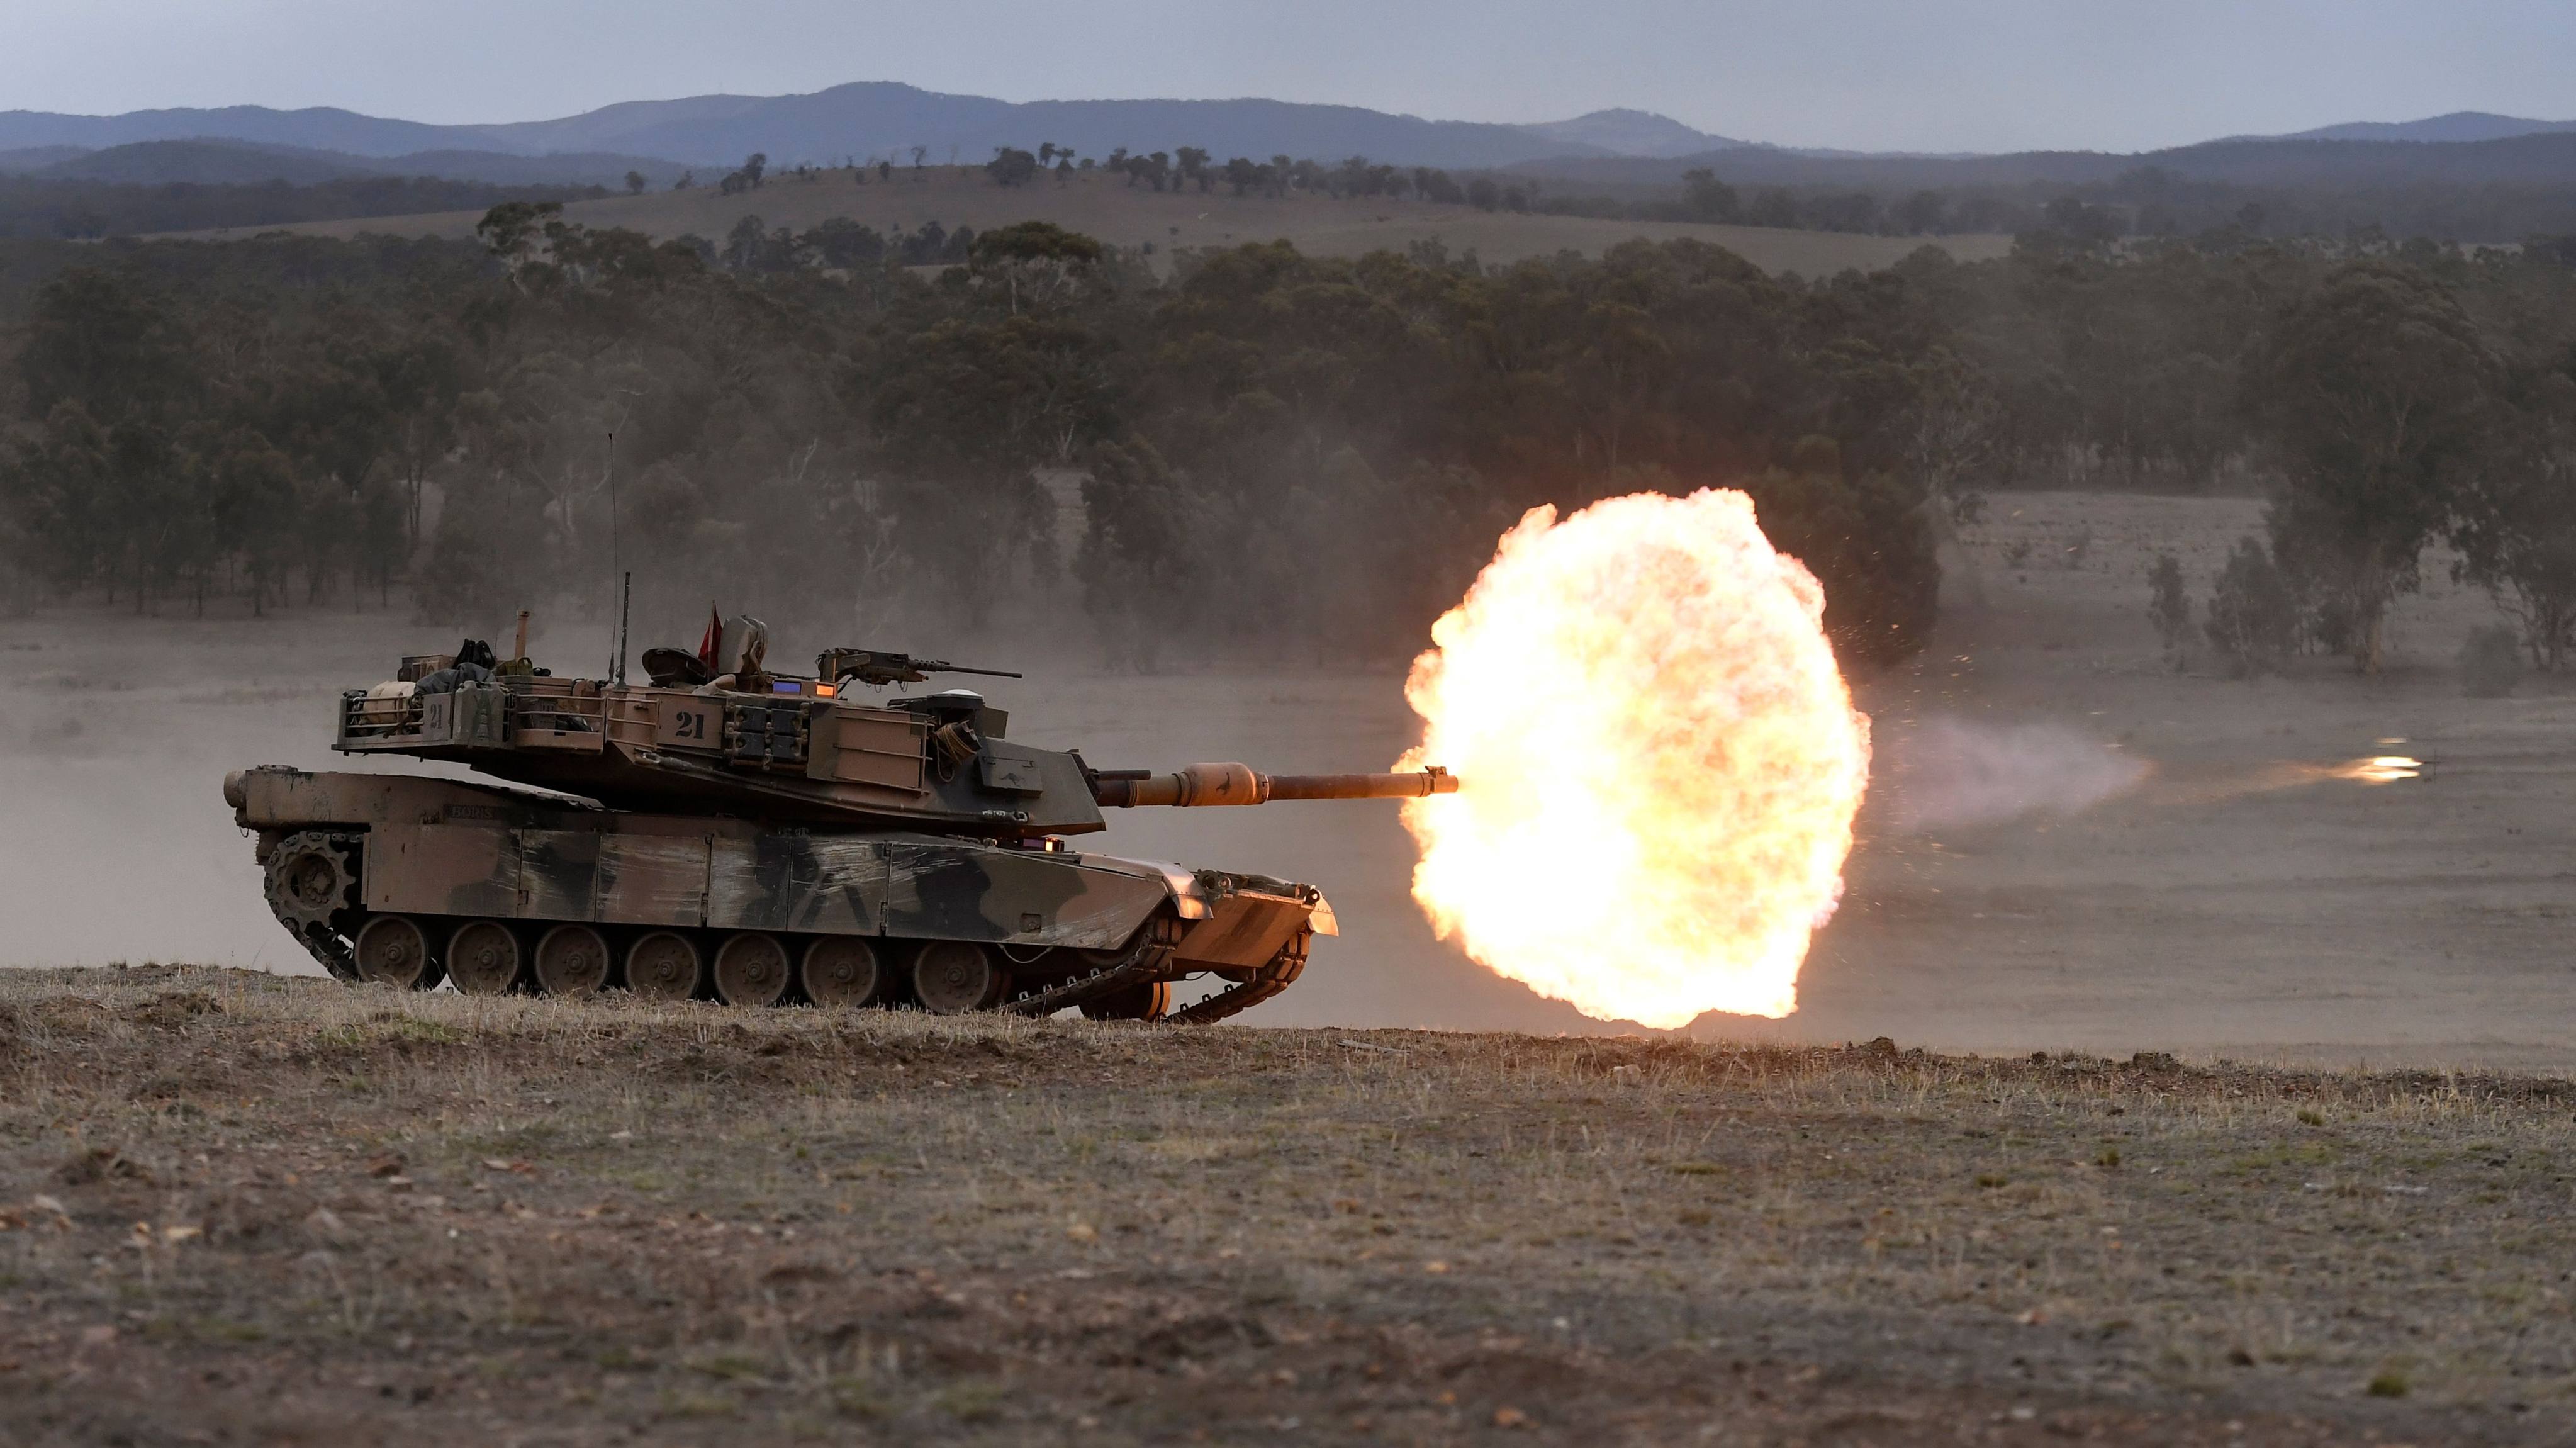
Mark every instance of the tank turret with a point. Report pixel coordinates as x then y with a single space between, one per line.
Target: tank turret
761 838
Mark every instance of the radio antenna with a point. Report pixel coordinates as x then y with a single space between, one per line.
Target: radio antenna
625 595
617 665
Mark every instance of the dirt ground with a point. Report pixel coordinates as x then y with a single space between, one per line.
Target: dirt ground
237 1208
1129 216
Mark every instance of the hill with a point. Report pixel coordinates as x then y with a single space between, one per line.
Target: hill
2544 159
201 162
36 158
2457 126
1124 215
324 128
1633 133
238 1205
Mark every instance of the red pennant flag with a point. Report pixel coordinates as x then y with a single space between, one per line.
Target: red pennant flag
713 641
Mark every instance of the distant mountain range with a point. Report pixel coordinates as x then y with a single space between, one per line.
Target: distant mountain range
709 134
879 118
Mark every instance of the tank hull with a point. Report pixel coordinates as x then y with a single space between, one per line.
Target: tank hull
516 874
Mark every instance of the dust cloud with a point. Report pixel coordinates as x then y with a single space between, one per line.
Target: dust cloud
1946 772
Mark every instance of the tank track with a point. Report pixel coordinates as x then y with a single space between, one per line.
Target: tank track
1144 961
1277 975
318 930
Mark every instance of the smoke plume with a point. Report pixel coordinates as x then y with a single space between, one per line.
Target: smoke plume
1947 772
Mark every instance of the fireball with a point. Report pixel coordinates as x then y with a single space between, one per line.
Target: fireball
1658 760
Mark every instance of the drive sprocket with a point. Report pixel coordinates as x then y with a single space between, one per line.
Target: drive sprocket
313 889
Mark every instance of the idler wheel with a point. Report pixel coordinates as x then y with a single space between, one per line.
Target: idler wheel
484 958
572 960
751 970
952 977
1144 1001
394 950
843 970
663 966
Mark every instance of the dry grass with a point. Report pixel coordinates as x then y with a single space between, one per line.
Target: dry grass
1129 216
253 1208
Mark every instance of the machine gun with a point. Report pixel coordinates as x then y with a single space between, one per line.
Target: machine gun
875 667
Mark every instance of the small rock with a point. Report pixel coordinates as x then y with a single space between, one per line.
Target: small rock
1510 1418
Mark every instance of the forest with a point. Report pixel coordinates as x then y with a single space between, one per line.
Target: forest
1271 452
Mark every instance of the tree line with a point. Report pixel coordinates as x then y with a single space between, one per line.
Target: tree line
1269 450
2383 397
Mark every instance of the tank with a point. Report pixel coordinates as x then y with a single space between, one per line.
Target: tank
763 839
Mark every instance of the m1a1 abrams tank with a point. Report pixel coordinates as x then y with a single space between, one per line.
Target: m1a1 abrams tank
760 839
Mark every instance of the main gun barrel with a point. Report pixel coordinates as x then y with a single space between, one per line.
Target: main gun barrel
1215 784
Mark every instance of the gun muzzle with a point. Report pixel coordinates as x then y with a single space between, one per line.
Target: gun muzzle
1215 784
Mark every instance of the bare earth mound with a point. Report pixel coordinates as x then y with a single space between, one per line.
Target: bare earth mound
244 1208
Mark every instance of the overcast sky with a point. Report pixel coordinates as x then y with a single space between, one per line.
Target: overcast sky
1940 75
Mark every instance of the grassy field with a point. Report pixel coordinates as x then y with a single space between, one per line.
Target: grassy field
242 1208
1131 215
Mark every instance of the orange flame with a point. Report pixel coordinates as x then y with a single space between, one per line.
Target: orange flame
1658 762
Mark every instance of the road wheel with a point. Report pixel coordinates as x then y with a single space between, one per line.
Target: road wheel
663 966
1146 1001
952 977
751 970
484 957
394 950
842 970
572 960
